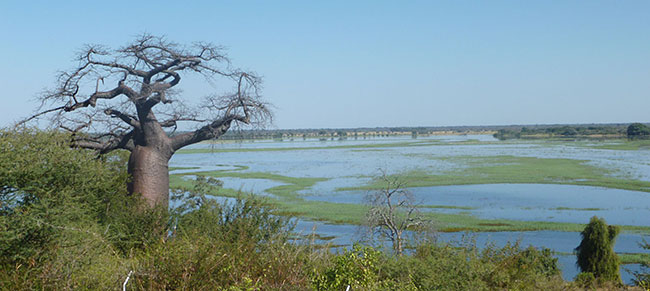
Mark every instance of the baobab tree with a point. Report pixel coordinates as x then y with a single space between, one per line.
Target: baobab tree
126 98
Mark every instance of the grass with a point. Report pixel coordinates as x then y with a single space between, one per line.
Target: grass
635 258
288 191
516 170
577 209
354 214
625 145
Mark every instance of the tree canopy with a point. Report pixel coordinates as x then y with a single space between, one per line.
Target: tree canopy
638 131
596 250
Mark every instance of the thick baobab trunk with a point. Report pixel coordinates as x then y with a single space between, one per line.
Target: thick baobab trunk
149 172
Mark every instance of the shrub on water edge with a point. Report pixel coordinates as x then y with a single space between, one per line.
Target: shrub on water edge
642 279
454 268
442 267
596 251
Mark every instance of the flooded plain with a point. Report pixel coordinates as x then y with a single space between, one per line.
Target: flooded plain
353 163
529 202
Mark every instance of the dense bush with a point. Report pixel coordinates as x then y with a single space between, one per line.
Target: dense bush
567 131
449 267
65 219
357 267
47 188
504 134
638 131
642 278
240 244
596 251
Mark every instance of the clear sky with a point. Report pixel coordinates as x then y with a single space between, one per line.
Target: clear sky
369 63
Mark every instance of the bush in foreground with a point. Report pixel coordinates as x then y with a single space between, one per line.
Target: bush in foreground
596 251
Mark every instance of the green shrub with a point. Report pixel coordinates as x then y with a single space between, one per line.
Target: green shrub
642 279
585 280
445 267
57 210
596 251
356 268
45 187
238 246
638 131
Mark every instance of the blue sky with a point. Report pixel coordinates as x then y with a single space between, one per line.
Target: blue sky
369 63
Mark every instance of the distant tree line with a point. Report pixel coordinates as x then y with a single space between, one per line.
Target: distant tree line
503 131
564 131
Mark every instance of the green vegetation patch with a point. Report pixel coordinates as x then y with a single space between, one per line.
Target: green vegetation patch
624 145
288 191
634 258
577 209
354 213
515 170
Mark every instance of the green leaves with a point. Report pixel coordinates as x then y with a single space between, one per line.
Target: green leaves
596 251
356 268
45 183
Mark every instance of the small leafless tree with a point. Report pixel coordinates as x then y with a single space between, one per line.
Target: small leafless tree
126 99
393 213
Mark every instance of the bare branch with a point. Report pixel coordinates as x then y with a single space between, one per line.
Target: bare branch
392 214
124 141
130 120
39 114
210 131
